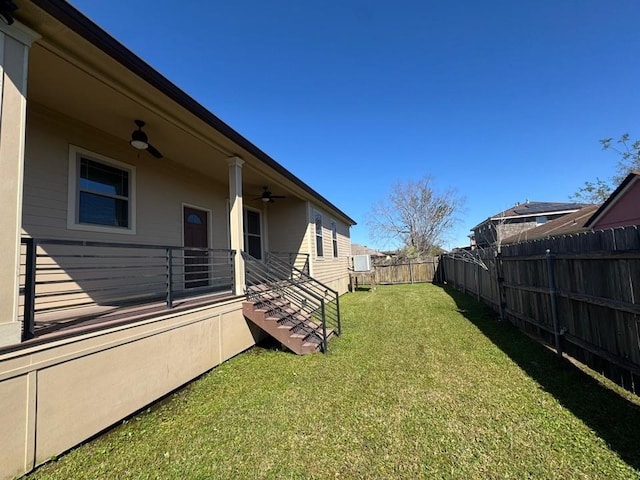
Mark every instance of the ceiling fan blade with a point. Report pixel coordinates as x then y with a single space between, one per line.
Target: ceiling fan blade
278 196
154 151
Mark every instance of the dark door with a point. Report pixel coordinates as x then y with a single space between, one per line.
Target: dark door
196 235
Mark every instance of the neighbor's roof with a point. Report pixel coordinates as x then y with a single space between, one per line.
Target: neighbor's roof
571 223
614 197
91 32
534 209
357 249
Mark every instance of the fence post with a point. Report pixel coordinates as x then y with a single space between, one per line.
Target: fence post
453 277
169 258
410 272
500 277
28 329
478 297
464 277
554 303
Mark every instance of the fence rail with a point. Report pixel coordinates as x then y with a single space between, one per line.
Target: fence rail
578 293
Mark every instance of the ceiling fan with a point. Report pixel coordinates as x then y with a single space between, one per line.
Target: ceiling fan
267 196
140 140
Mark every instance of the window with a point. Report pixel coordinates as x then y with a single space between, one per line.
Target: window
252 234
101 193
334 238
318 223
541 220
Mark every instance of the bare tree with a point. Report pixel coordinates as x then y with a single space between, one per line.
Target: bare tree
414 213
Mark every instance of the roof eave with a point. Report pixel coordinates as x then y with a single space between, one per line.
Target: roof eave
629 180
94 34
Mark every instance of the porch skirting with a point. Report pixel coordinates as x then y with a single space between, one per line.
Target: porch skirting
84 384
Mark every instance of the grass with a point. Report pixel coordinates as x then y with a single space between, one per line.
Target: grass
424 383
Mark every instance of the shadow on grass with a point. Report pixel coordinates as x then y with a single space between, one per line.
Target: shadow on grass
611 416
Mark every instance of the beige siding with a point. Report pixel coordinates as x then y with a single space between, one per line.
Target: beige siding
161 187
287 226
329 269
77 396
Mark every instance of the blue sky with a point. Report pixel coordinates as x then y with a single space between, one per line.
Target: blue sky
502 100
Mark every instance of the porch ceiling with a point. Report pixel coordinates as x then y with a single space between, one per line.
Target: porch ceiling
65 88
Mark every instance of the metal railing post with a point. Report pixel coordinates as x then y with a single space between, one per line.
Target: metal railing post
554 303
233 271
169 278
324 327
338 314
28 328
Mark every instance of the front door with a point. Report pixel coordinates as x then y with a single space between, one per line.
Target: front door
196 235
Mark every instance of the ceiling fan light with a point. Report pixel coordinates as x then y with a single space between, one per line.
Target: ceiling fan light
139 140
139 144
265 199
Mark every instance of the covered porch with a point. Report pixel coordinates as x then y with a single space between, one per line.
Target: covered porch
103 228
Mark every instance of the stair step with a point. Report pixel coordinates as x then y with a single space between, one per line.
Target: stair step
295 328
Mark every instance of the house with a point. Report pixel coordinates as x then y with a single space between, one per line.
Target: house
570 223
518 219
141 237
620 209
622 206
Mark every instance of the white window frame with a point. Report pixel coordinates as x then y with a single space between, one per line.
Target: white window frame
319 234
334 238
75 153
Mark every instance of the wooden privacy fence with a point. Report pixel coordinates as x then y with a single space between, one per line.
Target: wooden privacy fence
421 271
579 293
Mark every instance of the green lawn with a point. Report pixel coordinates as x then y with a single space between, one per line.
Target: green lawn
424 383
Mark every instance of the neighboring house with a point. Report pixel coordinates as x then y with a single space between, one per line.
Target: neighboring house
565 225
622 208
128 249
518 219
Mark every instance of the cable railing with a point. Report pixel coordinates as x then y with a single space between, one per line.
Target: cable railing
296 259
303 280
262 280
62 279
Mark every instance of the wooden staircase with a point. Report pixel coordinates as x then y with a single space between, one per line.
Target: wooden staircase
294 327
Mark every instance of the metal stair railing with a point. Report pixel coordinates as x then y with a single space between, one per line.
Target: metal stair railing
304 281
261 280
297 259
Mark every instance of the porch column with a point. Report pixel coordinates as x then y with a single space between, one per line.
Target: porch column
236 227
15 41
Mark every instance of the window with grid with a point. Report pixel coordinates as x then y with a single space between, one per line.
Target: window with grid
318 227
103 194
334 238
